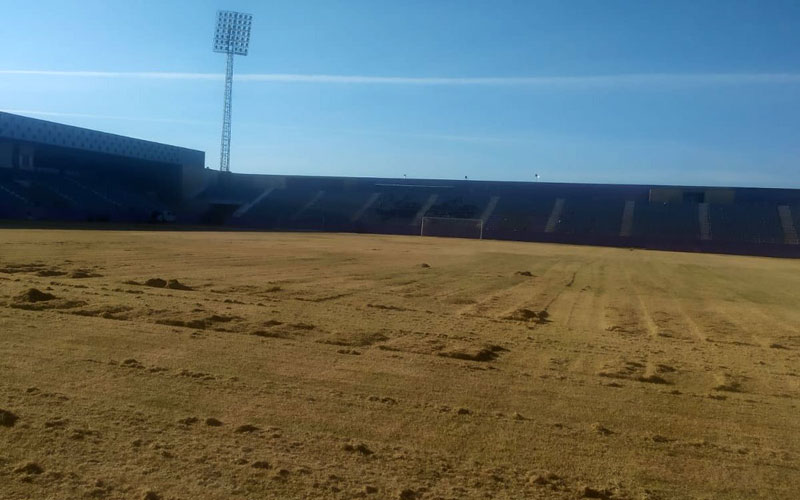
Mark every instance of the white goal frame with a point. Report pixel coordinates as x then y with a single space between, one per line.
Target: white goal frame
478 222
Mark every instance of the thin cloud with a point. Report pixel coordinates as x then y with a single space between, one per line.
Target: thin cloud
146 75
540 81
58 114
584 81
326 131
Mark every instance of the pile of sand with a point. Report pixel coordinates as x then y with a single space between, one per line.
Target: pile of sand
21 268
50 272
486 353
29 468
160 283
34 295
7 419
360 447
84 273
529 316
34 299
177 285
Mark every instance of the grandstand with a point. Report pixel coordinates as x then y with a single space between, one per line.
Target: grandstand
50 171
753 221
56 172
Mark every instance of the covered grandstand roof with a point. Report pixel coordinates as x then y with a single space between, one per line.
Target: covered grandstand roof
22 128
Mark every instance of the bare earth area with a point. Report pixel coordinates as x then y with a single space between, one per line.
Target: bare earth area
194 365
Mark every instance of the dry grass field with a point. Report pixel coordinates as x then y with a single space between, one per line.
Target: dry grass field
190 365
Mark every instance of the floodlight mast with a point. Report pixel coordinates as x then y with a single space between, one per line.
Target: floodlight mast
231 37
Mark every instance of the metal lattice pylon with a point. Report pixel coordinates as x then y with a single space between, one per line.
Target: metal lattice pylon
231 37
225 146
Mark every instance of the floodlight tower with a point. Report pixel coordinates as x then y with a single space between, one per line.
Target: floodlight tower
231 37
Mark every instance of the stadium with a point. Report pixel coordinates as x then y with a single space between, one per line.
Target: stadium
172 331
260 268
53 172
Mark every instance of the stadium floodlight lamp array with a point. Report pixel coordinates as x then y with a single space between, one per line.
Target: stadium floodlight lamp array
233 32
231 37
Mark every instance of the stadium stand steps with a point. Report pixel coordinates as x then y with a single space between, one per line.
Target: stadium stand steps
569 213
242 210
334 210
788 225
627 219
309 204
590 217
94 192
11 192
424 209
749 223
490 208
366 206
555 216
703 220
45 195
667 222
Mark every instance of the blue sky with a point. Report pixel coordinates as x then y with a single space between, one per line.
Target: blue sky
667 92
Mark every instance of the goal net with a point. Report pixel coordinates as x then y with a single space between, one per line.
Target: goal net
452 227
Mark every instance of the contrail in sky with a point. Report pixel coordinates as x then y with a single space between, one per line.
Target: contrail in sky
91 116
58 114
618 80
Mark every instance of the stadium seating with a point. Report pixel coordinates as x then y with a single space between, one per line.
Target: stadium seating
519 216
464 205
668 222
751 223
795 211
42 195
397 206
591 217
334 211
276 210
570 213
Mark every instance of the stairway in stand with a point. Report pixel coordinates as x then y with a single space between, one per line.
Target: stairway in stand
627 219
555 216
705 222
787 223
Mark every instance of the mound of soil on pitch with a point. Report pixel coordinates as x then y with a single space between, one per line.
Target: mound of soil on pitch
177 285
7 419
653 379
29 468
623 369
209 322
353 339
360 448
21 268
270 334
50 272
246 428
84 273
160 283
486 353
528 315
732 386
36 300
34 295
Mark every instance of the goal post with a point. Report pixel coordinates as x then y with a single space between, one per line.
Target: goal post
452 227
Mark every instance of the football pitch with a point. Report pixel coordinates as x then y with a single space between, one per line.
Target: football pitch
182 365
